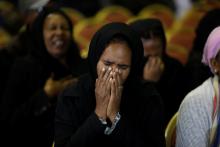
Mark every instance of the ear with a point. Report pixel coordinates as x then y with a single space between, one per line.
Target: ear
214 65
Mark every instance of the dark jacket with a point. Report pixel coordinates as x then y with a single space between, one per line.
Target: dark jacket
76 124
26 113
141 110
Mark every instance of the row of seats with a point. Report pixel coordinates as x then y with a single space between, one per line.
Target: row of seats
180 32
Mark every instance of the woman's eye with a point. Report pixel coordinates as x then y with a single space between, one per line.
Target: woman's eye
107 63
123 67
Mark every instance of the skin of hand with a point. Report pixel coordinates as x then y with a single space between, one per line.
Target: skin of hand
108 94
53 87
102 92
153 69
115 98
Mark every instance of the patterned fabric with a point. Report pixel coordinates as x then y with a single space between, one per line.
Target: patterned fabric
194 120
212 47
214 133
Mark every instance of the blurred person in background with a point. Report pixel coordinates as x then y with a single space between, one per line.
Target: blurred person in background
198 116
159 68
195 71
52 63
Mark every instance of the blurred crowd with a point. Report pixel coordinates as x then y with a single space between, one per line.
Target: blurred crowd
27 56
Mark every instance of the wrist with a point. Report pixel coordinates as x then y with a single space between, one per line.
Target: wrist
115 121
112 117
101 115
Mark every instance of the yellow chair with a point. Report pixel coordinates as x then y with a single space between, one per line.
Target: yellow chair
113 13
73 14
170 132
159 11
83 33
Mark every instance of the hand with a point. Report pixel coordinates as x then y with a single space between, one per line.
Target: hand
115 98
153 69
53 87
102 92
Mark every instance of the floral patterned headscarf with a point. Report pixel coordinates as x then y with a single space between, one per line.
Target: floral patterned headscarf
212 47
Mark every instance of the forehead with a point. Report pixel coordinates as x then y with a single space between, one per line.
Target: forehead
55 18
117 50
154 40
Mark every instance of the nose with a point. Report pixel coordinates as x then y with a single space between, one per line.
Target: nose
114 68
59 31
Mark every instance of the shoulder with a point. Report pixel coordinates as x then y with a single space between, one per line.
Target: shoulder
194 116
26 61
77 97
200 96
197 105
82 87
24 66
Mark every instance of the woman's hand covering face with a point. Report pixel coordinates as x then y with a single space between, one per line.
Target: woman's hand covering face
113 69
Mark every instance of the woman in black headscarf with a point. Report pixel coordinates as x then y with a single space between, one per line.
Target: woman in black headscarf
29 101
111 106
158 67
195 70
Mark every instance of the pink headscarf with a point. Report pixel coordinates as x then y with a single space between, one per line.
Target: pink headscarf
212 47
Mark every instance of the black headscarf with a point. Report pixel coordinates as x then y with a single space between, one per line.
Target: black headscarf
39 50
196 71
148 28
208 22
102 38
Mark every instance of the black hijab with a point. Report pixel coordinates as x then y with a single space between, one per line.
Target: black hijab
148 28
39 50
208 22
102 38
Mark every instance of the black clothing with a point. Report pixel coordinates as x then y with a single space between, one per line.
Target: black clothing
25 104
170 84
102 38
195 71
150 28
27 113
76 124
18 48
6 61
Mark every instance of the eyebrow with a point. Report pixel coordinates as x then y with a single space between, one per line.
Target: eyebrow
125 65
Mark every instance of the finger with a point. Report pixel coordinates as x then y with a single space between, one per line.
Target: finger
154 61
117 89
107 73
102 73
119 78
116 77
150 62
51 76
96 82
107 85
116 85
158 60
112 86
162 66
